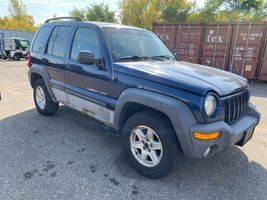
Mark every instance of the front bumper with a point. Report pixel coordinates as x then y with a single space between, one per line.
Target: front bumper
233 134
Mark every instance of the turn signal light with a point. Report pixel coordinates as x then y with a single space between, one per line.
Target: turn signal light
207 136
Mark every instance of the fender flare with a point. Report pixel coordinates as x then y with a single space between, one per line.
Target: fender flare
177 111
42 71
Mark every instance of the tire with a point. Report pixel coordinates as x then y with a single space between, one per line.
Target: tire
16 57
44 105
163 134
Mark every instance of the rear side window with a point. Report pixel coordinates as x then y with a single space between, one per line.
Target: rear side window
52 41
41 39
85 40
58 41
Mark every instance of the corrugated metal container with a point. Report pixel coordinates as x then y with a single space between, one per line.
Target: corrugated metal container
188 42
217 42
238 48
18 33
166 32
245 49
262 71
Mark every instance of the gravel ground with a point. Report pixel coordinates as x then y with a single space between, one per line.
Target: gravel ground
71 156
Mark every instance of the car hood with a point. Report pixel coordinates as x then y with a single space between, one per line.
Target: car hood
187 76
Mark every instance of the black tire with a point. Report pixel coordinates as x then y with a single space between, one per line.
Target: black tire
162 127
16 57
50 106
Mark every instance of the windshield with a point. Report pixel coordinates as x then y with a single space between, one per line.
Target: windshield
133 44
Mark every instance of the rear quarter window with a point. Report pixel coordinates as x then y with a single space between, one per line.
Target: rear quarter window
59 41
41 39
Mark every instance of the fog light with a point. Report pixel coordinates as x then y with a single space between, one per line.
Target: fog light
207 152
207 136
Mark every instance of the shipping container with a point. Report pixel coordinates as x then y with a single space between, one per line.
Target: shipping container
262 71
166 32
217 42
188 42
245 49
239 48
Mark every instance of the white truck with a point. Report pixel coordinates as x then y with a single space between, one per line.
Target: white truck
14 48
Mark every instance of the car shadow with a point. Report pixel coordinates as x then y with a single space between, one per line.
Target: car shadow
86 141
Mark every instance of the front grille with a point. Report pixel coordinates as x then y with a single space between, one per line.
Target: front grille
235 106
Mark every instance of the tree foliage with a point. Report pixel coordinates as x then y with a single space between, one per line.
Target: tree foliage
18 18
95 12
231 11
140 13
177 10
143 13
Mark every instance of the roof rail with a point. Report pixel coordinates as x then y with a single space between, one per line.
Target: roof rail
58 18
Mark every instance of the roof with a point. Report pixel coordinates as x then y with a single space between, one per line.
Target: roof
98 24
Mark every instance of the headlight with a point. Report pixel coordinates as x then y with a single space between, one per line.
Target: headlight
210 105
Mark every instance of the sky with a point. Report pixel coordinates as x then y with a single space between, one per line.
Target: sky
44 9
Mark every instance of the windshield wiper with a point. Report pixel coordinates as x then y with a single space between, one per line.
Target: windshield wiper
133 58
162 57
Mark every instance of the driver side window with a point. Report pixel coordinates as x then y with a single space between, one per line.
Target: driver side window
85 39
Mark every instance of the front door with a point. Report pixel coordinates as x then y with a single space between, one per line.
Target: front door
87 85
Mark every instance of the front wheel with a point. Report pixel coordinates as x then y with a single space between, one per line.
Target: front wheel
16 57
43 102
150 144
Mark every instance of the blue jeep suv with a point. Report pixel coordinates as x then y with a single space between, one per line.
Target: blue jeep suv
128 79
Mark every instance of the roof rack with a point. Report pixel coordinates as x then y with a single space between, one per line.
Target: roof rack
58 18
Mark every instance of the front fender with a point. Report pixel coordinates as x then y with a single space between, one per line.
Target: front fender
178 112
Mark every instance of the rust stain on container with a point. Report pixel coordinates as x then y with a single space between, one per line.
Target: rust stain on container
217 42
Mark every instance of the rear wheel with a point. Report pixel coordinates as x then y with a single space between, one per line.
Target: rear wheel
150 144
43 102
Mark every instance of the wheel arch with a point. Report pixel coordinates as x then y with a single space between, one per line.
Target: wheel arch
178 113
39 72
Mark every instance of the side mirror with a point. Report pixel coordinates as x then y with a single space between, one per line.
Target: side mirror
86 57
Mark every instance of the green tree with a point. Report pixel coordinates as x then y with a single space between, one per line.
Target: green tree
177 10
18 18
140 13
95 12
230 11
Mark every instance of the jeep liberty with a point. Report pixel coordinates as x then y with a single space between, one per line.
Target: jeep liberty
128 79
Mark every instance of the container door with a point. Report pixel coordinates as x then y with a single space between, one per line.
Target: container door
188 42
245 49
216 46
166 32
263 67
